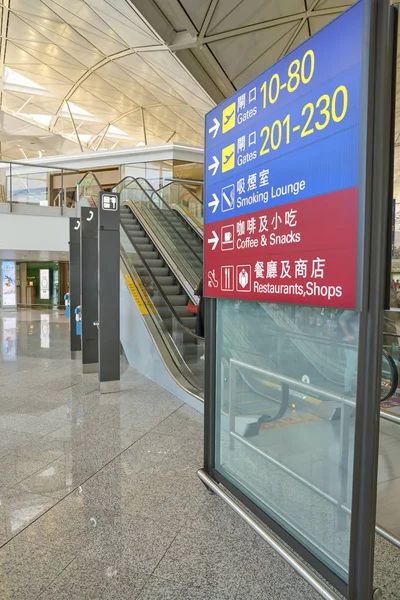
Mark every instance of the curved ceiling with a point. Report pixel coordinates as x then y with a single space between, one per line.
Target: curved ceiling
95 73
99 74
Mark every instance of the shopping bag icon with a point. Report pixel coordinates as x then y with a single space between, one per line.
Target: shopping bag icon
243 278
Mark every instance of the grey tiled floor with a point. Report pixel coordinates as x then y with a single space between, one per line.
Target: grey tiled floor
99 497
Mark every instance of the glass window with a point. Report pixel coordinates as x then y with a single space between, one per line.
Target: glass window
285 423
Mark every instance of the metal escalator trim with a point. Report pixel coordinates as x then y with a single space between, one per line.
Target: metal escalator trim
149 198
157 234
159 287
92 175
183 278
180 182
94 199
169 210
189 220
169 352
184 213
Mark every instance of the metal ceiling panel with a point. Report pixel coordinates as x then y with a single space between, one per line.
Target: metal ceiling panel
256 47
251 12
196 10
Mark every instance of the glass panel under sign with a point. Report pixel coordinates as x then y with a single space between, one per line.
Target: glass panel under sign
285 417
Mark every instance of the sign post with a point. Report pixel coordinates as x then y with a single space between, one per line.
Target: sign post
109 292
297 206
74 283
89 289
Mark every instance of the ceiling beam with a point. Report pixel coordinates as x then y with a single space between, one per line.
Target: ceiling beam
3 43
183 40
74 126
144 127
207 18
213 78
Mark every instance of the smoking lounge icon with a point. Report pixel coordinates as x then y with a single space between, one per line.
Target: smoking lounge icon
227 279
243 278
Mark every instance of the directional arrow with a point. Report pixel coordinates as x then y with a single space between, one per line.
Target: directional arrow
214 240
214 166
214 203
215 128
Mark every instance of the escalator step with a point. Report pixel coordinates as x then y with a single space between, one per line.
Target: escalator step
170 290
178 299
161 272
155 262
167 281
189 322
137 234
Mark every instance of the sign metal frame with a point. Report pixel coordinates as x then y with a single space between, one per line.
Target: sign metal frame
379 55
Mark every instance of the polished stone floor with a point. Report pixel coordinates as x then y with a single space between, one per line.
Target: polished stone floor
99 498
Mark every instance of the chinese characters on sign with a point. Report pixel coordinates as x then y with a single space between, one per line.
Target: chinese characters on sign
282 168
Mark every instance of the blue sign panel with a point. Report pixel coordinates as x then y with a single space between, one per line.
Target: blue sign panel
289 136
308 101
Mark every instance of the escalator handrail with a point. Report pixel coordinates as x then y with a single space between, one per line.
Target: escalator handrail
182 269
95 177
154 191
136 180
395 378
159 287
189 220
174 207
174 182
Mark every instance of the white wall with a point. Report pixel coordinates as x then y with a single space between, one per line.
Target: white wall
28 232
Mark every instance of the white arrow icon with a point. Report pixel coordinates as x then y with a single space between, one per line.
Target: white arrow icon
214 240
215 128
214 204
214 166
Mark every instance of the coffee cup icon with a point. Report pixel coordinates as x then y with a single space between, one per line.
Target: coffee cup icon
227 236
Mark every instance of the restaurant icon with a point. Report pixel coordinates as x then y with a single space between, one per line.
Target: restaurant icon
227 279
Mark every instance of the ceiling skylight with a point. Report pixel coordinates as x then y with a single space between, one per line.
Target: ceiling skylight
78 113
114 132
43 120
16 82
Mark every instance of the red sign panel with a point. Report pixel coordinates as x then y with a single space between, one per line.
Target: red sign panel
299 253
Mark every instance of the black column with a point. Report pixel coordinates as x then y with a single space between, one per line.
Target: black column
89 289
74 282
109 292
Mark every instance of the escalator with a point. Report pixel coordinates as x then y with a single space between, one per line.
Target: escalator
162 263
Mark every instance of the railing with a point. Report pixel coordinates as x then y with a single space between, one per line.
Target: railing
22 184
346 413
